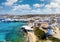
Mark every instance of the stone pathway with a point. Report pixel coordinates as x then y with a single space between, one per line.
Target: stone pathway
32 37
57 35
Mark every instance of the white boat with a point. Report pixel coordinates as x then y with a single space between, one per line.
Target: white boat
27 27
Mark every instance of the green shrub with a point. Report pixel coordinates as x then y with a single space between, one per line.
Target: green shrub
53 39
39 33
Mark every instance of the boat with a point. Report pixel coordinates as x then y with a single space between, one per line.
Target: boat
27 28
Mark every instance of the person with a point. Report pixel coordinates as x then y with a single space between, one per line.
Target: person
55 27
49 32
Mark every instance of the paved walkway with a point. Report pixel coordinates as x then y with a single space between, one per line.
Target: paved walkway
32 37
57 35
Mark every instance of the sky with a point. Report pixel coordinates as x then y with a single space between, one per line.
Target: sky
24 7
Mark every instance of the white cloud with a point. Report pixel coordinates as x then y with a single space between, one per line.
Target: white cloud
56 1
36 11
9 2
21 7
26 9
53 5
52 8
38 5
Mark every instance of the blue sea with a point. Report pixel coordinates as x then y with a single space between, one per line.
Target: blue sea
11 32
